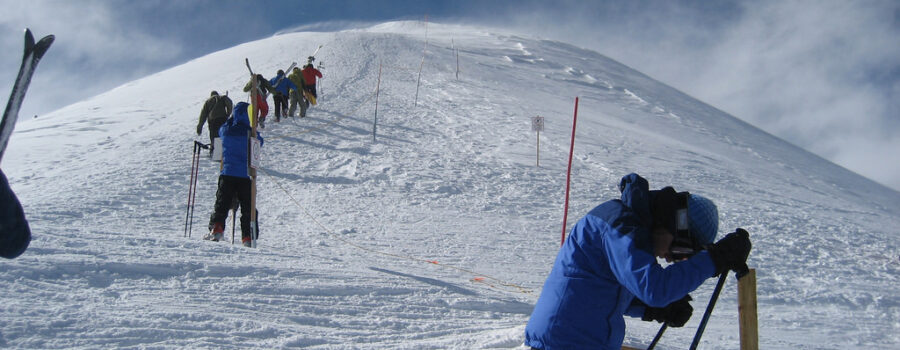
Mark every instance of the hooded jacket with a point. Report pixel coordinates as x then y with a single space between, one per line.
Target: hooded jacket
235 133
606 269
284 85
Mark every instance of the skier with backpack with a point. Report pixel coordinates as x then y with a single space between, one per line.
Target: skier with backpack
234 179
281 90
310 74
215 111
264 88
297 98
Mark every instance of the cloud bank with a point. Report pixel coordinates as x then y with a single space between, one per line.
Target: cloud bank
824 75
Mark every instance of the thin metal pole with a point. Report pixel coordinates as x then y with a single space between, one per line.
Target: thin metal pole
709 309
569 174
192 190
377 91
658 336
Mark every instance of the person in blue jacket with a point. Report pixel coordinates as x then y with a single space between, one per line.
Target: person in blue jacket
234 179
607 267
15 235
282 86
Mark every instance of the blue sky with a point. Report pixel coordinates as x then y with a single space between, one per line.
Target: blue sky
824 75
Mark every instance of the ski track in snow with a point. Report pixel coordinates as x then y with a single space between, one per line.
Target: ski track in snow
439 233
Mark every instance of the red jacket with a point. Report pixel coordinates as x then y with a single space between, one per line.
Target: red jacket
310 74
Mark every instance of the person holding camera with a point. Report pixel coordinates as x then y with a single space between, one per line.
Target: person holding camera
607 268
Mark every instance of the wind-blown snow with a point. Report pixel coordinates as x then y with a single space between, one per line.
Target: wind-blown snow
437 234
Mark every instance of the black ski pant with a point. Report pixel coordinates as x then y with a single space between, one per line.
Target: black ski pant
213 134
281 105
231 188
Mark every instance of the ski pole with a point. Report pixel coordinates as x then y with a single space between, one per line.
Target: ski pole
233 223
188 216
658 336
709 308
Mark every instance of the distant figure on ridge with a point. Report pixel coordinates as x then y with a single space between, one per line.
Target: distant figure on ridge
297 98
282 87
215 111
607 268
234 180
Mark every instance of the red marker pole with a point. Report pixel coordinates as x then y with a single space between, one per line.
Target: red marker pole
569 174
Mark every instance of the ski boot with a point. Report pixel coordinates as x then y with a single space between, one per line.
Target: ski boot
217 233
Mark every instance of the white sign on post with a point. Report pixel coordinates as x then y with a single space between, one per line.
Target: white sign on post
537 123
254 153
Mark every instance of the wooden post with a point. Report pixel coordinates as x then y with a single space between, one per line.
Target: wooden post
747 311
254 93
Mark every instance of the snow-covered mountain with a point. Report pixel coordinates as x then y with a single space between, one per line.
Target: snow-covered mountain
438 232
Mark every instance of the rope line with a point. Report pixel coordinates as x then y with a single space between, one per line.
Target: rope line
479 277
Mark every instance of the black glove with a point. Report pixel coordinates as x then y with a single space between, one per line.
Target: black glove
731 252
675 314
199 130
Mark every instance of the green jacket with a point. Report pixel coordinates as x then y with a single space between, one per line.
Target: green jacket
216 110
296 77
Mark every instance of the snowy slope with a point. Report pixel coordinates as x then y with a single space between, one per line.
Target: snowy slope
439 233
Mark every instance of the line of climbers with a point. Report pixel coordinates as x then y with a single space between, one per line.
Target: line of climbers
231 125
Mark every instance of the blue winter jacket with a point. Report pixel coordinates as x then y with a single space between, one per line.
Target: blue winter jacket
235 133
284 85
14 231
606 269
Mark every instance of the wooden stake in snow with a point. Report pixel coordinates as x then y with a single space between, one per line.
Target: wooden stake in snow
254 121
747 311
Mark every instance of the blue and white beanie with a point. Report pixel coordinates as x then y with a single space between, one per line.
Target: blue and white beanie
704 218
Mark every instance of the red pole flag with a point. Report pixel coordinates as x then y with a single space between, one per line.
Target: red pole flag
569 174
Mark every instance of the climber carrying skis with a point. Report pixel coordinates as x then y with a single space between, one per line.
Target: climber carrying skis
234 179
310 74
264 89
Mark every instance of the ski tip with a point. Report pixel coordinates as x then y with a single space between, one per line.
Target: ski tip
29 38
47 40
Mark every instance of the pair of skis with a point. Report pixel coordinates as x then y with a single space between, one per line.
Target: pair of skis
16 233
34 51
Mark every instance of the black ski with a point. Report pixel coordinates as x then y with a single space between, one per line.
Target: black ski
32 56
